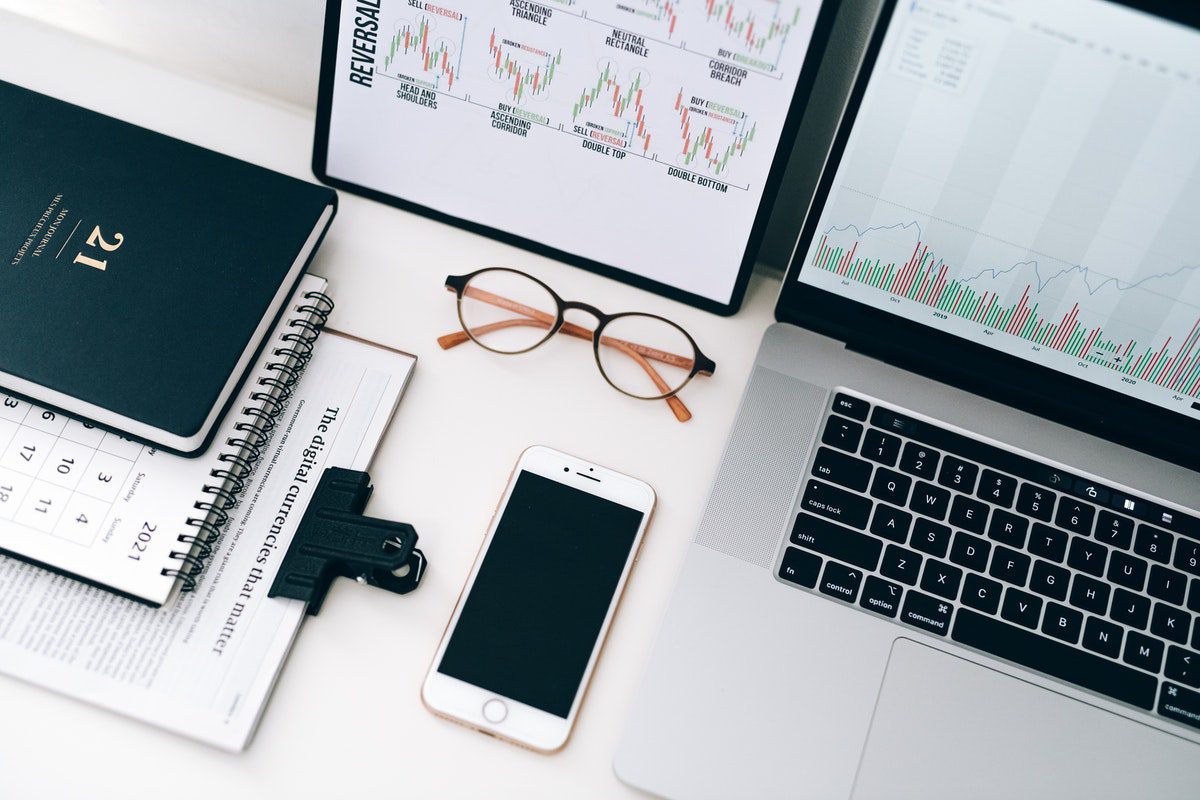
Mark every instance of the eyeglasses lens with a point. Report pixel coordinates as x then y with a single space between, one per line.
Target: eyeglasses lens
506 311
645 356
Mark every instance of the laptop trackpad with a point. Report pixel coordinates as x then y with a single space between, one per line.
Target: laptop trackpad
947 728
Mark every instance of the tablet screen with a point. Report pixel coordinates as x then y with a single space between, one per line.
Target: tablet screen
637 135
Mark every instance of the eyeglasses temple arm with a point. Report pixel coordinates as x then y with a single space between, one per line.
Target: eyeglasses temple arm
458 337
578 331
677 407
638 353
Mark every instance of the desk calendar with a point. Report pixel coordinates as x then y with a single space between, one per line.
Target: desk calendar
60 476
132 518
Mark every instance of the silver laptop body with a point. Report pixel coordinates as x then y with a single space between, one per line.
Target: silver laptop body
784 675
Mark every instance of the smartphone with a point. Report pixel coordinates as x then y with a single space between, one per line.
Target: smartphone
520 648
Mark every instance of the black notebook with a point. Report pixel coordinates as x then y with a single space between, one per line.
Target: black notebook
139 274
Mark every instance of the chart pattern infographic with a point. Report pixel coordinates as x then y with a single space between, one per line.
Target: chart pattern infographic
528 69
712 133
620 107
756 37
585 109
1030 181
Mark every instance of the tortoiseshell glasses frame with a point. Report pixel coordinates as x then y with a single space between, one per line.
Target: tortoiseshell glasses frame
470 286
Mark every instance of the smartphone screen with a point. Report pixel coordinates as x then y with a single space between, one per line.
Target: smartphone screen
534 613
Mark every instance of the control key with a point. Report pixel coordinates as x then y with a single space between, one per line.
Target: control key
840 581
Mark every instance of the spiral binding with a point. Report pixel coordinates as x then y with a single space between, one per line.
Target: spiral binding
253 434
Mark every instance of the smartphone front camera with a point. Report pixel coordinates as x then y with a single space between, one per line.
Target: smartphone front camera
566 469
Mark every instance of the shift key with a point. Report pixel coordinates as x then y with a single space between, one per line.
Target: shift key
836 542
836 504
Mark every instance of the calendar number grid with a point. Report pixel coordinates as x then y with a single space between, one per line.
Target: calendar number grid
59 476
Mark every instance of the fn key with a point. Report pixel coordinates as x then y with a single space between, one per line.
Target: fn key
800 567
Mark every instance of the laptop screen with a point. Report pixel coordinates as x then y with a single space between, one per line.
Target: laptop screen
1026 175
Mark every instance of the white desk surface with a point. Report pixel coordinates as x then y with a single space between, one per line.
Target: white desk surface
346 719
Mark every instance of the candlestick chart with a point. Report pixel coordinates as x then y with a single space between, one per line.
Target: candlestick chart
712 134
664 12
757 28
618 107
418 46
527 69
1055 307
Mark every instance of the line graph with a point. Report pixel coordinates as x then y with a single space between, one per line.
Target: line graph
1041 309
1085 274
1092 279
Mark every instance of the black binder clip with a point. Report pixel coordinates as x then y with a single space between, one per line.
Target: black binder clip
334 538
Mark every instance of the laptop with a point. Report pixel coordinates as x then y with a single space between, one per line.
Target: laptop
953 545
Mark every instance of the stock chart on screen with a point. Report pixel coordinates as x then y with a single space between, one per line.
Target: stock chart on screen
1026 175
589 111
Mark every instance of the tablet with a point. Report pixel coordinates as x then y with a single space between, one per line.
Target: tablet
643 139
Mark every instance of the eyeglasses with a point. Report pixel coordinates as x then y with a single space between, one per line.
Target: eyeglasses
640 355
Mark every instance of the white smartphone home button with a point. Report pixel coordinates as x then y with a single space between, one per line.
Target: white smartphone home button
494 710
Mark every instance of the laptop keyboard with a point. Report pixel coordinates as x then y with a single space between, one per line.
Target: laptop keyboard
1004 553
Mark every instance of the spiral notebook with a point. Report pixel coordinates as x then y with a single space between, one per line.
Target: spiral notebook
120 249
130 518
204 664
